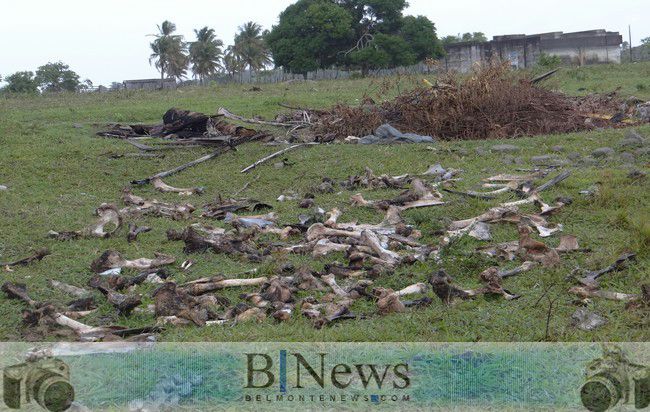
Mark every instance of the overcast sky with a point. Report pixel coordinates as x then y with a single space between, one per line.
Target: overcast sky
106 40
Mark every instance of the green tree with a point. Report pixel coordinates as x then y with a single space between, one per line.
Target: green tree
385 50
168 52
311 34
645 42
205 53
57 77
250 44
21 82
315 34
374 16
420 34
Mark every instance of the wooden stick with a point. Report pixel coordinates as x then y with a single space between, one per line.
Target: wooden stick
225 113
557 179
544 76
183 167
274 155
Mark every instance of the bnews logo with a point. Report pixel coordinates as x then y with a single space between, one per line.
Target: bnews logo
263 372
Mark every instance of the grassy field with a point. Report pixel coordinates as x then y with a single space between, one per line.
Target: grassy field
58 174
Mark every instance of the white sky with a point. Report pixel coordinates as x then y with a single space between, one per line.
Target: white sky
105 40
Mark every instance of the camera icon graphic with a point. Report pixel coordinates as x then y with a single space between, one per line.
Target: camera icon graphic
46 381
612 379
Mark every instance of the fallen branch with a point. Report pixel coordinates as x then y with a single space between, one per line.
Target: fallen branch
274 155
225 113
544 76
557 179
180 168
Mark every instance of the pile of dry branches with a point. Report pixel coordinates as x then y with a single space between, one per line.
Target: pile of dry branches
493 102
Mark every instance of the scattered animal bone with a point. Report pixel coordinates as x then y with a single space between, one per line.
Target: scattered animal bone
443 287
544 228
165 188
332 217
108 214
135 230
219 282
492 215
371 240
330 280
229 244
524 267
172 301
82 304
413 289
69 289
38 255
319 231
123 303
592 292
18 291
43 312
511 186
425 196
514 178
284 313
568 243
323 314
586 320
591 278
388 301
370 181
64 236
532 250
492 280
220 208
261 221
506 251
477 230
111 259
325 246
137 206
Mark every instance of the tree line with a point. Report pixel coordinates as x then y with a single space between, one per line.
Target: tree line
50 77
206 56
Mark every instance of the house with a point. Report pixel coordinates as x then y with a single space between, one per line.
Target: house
149 84
584 47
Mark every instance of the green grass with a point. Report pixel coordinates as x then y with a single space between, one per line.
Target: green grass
57 175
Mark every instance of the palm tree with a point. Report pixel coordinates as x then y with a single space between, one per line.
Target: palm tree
168 52
232 61
250 45
205 53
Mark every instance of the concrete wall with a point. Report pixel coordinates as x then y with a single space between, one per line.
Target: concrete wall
149 84
589 47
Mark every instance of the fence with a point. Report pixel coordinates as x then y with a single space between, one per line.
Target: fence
281 76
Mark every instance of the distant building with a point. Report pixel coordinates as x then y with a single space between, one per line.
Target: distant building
149 84
584 47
